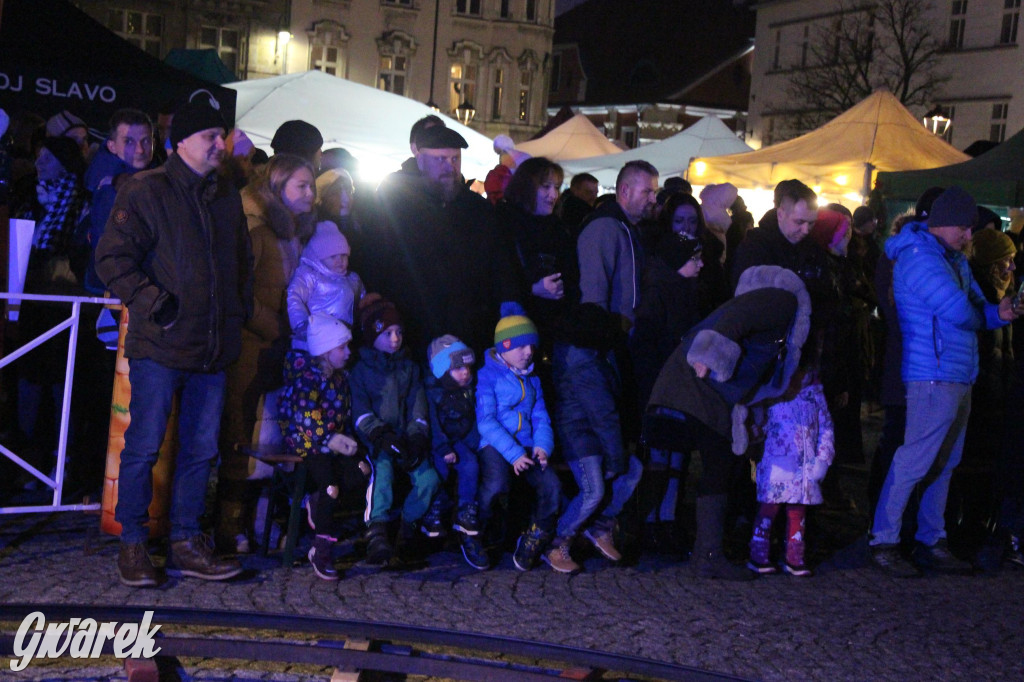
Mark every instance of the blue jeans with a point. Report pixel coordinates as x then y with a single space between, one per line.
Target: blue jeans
202 401
494 487
467 470
589 475
937 414
587 384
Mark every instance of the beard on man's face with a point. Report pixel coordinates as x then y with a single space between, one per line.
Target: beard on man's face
446 186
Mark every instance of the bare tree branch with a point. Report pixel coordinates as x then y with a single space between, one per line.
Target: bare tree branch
865 46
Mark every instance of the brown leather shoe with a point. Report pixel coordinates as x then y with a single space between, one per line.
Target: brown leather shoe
134 567
194 558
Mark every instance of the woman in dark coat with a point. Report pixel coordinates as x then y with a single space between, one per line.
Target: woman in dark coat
739 357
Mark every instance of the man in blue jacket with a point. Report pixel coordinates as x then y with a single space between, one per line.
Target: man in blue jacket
940 309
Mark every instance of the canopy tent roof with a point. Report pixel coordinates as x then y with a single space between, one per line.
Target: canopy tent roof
205 64
671 156
878 134
54 56
995 178
577 138
371 124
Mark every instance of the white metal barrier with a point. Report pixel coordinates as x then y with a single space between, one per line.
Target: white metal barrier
71 323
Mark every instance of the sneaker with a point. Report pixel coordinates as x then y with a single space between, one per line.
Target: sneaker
762 568
194 558
431 524
474 554
320 558
938 558
466 519
378 549
889 559
602 540
134 567
798 570
1013 553
559 559
528 548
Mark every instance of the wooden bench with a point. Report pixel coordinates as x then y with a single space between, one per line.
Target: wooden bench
290 477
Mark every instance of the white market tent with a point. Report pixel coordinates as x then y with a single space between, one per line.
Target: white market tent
671 156
840 157
371 124
577 138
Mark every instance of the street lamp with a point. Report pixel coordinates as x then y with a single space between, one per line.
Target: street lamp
936 121
465 112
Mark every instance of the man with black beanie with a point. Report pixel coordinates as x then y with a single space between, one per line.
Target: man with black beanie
176 252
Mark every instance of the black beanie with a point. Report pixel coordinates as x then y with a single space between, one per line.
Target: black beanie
194 116
67 151
953 208
925 201
297 137
675 249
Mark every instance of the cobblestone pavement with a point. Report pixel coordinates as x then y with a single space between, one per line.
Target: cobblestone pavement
846 623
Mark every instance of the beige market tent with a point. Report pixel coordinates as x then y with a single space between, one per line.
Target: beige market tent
577 138
840 157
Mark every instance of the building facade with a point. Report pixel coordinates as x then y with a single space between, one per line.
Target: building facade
493 55
979 64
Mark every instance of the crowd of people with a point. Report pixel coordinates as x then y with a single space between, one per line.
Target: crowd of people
518 372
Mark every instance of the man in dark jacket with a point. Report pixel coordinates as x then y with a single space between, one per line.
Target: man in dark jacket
176 252
436 253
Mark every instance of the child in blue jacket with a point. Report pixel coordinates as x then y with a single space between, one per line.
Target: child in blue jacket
389 406
515 427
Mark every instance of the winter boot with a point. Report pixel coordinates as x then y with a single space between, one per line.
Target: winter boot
431 524
708 560
405 550
529 547
466 519
760 545
601 535
320 557
378 548
795 522
558 557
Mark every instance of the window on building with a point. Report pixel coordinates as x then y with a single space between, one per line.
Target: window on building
1011 17
804 46
531 10
997 132
957 22
778 48
328 43
525 80
467 7
227 42
556 72
403 3
496 93
392 73
505 11
461 84
141 29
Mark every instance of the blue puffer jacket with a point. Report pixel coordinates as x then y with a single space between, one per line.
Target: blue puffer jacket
510 412
940 308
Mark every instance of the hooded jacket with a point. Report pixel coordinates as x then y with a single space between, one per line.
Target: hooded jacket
611 262
387 392
940 306
751 346
176 235
510 411
315 289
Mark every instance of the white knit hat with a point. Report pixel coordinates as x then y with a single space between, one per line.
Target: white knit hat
327 241
326 333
